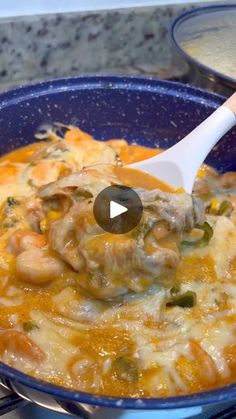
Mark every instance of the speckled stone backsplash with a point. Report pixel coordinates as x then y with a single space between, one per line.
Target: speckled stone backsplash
131 41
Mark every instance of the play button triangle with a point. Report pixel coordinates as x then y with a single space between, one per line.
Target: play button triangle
116 209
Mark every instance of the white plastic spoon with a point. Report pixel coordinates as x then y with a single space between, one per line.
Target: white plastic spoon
178 166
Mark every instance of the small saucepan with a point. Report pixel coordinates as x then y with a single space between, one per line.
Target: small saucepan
205 38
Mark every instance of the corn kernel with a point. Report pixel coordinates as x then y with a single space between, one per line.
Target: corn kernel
179 190
53 215
43 225
214 207
201 172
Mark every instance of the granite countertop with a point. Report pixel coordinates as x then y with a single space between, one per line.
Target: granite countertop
130 41
124 41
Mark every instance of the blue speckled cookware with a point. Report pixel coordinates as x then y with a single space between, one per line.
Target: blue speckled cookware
149 112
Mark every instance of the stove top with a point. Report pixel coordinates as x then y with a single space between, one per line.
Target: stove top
32 411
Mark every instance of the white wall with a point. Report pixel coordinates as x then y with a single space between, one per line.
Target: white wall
29 7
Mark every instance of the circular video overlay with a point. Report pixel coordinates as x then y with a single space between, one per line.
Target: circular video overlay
117 209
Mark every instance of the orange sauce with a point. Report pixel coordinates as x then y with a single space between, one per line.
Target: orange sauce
109 341
136 178
22 154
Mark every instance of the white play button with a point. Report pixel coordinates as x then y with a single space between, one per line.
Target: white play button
116 209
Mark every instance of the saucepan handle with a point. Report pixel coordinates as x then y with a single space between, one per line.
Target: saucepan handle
20 395
10 402
80 410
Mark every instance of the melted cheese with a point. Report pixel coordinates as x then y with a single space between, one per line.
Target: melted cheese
11 182
222 247
161 350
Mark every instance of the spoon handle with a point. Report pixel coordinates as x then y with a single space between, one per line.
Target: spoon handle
191 152
231 103
179 165
203 138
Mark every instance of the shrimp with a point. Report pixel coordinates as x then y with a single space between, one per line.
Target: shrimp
34 213
9 172
202 187
19 343
228 180
206 362
37 266
75 134
22 240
